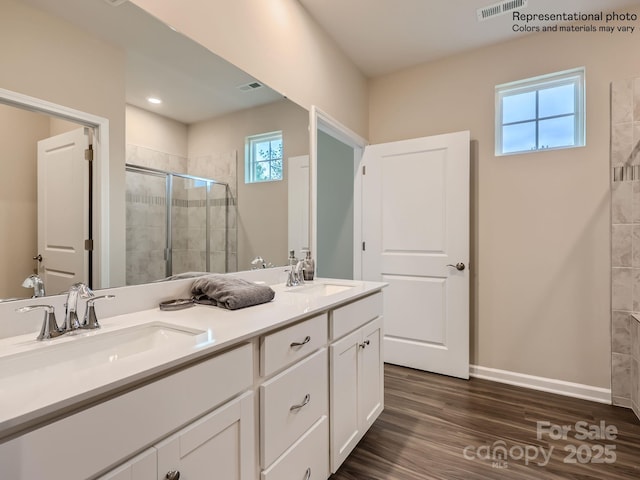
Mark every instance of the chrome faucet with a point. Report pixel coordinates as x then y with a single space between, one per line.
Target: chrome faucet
50 328
34 281
260 262
76 291
295 275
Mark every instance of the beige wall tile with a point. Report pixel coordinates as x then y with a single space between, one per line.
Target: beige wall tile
621 375
621 245
621 332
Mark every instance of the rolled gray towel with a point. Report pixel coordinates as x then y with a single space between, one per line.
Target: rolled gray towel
230 292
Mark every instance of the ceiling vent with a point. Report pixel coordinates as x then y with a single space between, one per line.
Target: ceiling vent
250 86
115 3
500 8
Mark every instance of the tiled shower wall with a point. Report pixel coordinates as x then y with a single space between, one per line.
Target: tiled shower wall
625 243
146 216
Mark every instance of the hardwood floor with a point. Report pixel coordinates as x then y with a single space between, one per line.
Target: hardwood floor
437 427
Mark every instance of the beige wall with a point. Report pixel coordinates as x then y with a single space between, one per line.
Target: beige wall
67 66
149 130
20 131
277 42
540 241
262 208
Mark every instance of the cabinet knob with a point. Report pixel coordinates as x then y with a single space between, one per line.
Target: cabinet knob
308 474
172 475
306 340
365 343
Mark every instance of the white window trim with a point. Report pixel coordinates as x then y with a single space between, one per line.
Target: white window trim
574 76
248 155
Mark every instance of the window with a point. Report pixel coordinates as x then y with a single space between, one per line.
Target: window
263 157
540 113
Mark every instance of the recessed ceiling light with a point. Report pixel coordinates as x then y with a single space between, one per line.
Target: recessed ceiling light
154 100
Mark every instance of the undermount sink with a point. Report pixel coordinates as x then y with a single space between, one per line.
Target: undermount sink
319 289
81 352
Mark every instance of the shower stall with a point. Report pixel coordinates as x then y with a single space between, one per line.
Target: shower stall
177 223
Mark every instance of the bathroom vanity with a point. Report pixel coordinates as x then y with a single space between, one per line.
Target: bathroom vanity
275 391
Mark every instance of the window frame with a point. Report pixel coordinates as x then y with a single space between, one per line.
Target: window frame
575 76
249 158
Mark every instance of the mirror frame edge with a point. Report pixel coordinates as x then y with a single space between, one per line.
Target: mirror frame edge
320 120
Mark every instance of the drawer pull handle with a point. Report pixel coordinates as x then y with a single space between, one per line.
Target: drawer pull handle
306 340
308 474
365 343
307 399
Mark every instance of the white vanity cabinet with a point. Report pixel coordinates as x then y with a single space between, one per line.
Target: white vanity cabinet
220 444
141 467
294 431
91 440
287 400
356 374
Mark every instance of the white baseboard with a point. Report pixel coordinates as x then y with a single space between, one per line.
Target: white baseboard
569 389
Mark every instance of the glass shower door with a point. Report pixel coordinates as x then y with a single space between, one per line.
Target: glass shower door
146 209
189 234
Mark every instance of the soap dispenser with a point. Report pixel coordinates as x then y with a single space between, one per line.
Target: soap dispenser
309 267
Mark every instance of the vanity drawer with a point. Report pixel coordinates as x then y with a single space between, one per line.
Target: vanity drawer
283 348
346 319
307 458
305 385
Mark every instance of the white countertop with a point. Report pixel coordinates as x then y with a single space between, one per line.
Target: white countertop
27 399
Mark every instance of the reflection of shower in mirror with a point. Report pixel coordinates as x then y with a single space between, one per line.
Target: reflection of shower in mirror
176 223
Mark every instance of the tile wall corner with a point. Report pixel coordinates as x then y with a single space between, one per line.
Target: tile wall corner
625 243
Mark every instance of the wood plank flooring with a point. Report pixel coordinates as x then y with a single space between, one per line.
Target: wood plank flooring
437 427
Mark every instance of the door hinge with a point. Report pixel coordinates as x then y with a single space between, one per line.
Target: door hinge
88 245
364 246
364 169
88 154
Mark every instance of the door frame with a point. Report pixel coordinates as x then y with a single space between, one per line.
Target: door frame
319 120
100 184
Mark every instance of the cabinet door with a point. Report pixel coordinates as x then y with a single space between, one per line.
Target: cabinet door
344 424
371 374
219 445
357 388
141 467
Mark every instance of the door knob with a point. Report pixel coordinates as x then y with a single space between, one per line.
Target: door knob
458 266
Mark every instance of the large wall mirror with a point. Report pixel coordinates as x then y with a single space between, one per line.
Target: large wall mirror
177 197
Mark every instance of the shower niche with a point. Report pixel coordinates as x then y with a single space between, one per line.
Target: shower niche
177 223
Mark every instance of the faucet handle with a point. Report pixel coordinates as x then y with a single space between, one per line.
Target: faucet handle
50 328
90 321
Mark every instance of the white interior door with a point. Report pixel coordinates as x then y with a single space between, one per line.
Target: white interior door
298 199
63 209
415 197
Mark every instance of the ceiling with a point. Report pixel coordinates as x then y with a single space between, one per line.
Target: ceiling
379 36
193 83
383 36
